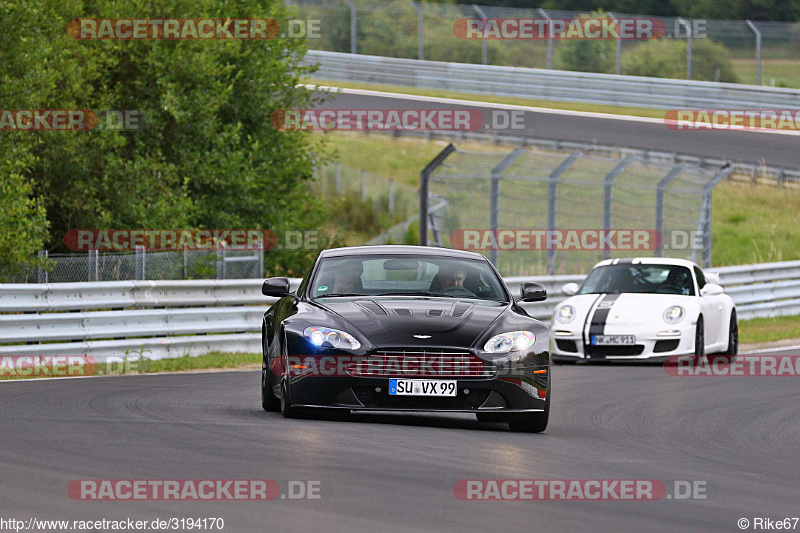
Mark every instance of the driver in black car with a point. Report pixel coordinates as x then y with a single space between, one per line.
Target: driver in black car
454 278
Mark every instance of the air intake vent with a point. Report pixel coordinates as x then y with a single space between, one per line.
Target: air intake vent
434 312
460 309
372 307
403 312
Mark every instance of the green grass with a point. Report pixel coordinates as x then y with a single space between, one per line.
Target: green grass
209 361
785 71
769 329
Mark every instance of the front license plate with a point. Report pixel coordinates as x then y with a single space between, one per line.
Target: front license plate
603 340
421 387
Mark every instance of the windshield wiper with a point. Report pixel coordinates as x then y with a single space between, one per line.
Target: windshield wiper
405 293
340 294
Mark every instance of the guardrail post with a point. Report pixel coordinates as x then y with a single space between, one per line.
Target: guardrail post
549 38
688 28
353 26
758 50
220 250
420 30
391 195
41 273
424 177
140 262
484 41
494 209
608 187
185 262
662 186
552 205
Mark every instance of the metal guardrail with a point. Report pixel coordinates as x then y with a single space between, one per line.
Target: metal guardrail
558 85
200 316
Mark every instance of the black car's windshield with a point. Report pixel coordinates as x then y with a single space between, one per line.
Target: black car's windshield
408 275
659 279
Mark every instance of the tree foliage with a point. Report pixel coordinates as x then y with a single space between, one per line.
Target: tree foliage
208 156
666 58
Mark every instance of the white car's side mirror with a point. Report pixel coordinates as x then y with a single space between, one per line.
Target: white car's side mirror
712 277
711 289
570 289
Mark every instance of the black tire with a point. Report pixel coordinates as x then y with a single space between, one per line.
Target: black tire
269 402
531 422
287 409
729 355
699 341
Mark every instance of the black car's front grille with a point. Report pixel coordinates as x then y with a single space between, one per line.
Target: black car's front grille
421 363
622 350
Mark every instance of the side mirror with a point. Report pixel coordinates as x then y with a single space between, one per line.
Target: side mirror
711 289
277 287
570 289
712 277
533 292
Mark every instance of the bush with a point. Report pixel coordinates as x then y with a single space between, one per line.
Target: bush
666 58
590 55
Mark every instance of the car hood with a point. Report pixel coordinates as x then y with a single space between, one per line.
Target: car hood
441 322
630 309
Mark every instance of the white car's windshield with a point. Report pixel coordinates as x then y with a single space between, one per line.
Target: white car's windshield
659 279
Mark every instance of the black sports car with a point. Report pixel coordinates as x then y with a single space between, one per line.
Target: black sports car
406 328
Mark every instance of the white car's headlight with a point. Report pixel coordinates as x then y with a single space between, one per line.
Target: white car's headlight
510 342
565 314
331 338
674 314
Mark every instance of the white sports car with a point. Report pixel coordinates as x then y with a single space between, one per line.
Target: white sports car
648 308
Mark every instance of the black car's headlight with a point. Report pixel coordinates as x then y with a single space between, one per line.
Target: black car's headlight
511 341
331 338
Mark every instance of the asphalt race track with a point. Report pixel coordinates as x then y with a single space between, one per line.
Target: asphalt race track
395 472
746 146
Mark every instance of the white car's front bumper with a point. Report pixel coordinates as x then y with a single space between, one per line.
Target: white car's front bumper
568 344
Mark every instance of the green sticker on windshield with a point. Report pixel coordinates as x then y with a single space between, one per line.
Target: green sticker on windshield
323 288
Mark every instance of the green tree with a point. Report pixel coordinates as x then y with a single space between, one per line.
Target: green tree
208 155
587 55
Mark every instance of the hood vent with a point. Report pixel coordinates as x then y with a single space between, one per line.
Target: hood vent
460 309
403 312
434 312
372 307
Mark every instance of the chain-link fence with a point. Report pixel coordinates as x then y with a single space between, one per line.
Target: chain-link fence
532 211
140 265
762 52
